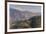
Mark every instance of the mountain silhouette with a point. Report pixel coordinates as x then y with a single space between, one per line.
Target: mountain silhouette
24 18
21 15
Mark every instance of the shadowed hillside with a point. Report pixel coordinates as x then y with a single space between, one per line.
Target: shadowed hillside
34 22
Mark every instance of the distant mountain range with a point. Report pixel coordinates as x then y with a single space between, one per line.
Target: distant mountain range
21 15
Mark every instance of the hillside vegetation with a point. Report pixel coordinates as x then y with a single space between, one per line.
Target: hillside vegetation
34 22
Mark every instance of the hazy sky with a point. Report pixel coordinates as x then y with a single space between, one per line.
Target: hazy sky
26 8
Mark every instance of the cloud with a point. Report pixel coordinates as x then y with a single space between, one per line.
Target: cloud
26 8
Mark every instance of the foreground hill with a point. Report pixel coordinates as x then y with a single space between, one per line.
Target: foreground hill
34 22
